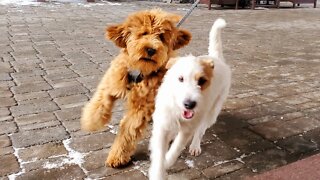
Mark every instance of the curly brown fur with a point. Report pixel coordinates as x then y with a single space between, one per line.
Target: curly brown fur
148 39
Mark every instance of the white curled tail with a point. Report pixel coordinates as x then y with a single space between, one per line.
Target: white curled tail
215 44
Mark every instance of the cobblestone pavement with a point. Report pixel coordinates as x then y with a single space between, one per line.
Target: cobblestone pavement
52 56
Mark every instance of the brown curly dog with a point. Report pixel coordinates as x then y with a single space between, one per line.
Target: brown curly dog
148 39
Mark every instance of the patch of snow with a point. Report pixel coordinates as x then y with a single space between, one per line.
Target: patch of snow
112 3
76 157
49 165
31 161
79 2
189 163
241 157
235 159
140 166
113 129
19 2
90 4
220 162
261 8
68 1
182 9
88 178
110 126
236 149
23 170
73 157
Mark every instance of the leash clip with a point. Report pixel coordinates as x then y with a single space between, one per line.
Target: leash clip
135 76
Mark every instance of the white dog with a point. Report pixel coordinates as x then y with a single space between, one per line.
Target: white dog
188 102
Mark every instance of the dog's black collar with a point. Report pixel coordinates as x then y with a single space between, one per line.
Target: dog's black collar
135 76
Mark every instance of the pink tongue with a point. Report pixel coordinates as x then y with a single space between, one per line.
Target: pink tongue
188 114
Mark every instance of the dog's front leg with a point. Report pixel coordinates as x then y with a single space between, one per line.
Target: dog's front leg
159 144
194 148
176 148
113 85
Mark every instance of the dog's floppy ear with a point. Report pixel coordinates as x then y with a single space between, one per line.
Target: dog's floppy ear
208 62
171 62
183 38
116 33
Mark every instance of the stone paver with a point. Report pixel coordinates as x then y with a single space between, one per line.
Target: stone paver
42 151
52 56
39 136
8 164
65 172
219 170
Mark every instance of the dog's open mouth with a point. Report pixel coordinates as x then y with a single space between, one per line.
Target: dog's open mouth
188 114
148 60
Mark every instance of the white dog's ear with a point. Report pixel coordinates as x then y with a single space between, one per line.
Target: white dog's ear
183 37
117 34
208 62
171 62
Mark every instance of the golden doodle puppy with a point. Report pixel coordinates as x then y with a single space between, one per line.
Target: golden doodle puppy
147 40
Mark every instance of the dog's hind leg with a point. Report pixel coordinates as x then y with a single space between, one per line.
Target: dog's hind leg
113 85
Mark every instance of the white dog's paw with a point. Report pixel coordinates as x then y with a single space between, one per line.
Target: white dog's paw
157 176
169 161
195 150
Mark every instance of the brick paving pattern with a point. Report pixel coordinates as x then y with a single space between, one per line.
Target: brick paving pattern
52 56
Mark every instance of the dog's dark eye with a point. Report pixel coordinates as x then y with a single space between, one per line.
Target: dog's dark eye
145 33
201 81
161 36
181 79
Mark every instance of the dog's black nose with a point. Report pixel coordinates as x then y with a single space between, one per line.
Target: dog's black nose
188 104
150 51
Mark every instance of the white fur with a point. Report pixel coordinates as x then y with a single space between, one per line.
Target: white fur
168 122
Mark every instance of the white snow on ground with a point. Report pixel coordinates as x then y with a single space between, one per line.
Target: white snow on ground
141 166
34 2
73 157
68 1
19 2
189 163
112 3
182 9
113 129
16 153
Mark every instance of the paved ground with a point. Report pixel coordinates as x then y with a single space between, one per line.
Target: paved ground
303 169
53 55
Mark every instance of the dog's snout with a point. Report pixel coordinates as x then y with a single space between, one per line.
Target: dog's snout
150 51
188 104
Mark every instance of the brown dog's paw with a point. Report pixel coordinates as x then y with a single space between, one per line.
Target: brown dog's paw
88 123
117 161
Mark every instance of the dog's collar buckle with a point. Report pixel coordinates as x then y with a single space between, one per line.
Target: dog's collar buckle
135 76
